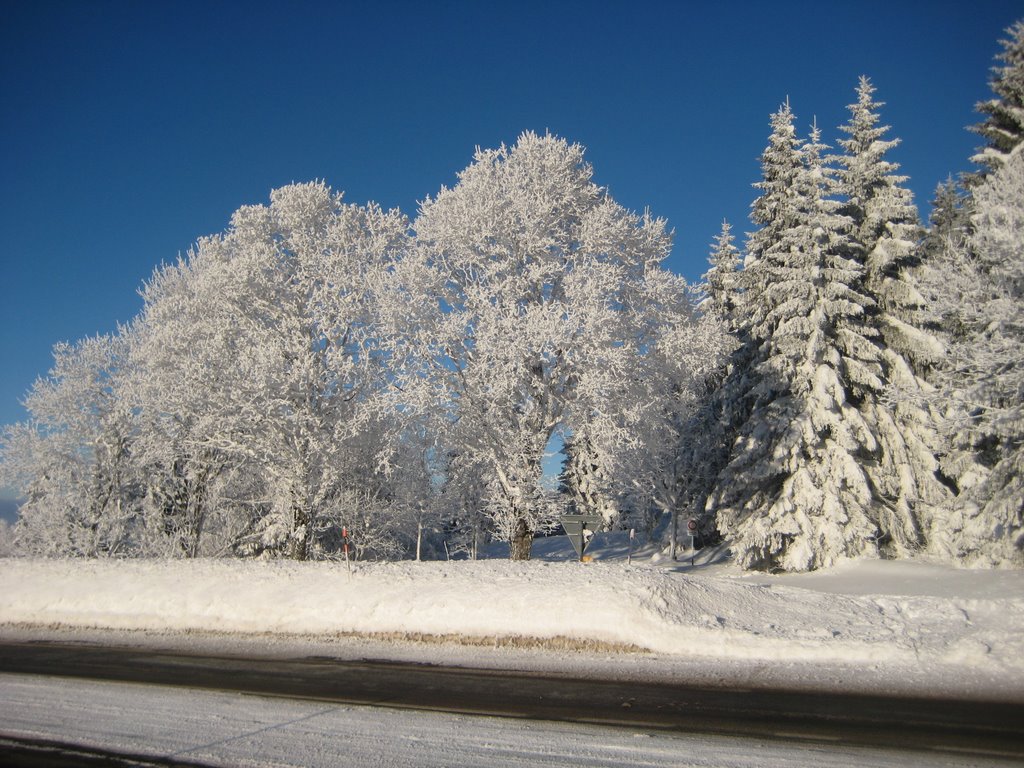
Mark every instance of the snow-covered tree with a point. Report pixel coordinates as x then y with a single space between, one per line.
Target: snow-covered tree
411 469
884 234
71 460
949 219
715 425
775 213
535 314
721 281
263 354
984 390
1003 126
669 454
180 368
795 494
943 247
7 546
585 481
885 229
462 504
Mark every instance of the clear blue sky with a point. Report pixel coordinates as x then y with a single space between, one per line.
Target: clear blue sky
129 129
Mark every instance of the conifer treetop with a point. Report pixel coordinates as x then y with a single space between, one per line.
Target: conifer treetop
1003 126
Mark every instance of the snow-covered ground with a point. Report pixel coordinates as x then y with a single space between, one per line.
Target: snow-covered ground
868 625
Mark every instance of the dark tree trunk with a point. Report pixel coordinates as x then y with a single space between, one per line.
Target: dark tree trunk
522 541
299 549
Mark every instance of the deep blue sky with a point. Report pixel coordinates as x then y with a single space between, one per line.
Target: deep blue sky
129 129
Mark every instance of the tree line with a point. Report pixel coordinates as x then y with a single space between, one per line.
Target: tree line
847 383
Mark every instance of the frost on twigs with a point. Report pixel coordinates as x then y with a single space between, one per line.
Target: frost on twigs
539 323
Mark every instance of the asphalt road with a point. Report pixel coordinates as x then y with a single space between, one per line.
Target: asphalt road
980 728
36 753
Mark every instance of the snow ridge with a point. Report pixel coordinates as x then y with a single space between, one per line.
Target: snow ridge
719 615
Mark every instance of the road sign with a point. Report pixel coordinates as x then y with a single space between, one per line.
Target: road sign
691 528
580 529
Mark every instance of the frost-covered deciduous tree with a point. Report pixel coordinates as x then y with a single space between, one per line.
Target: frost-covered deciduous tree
535 316
659 458
7 547
462 504
585 482
72 459
180 368
276 371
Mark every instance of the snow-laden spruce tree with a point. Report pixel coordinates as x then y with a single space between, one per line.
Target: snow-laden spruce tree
984 388
1003 126
722 280
944 243
263 354
977 241
885 228
775 212
716 423
705 425
72 459
534 316
795 494
884 234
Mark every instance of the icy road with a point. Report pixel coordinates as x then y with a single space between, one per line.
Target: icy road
182 726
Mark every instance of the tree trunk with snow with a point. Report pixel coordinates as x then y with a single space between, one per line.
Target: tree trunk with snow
521 543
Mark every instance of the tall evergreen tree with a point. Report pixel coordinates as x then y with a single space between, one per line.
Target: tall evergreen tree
944 245
795 495
774 212
885 229
1003 126
728 409
883 232
984 387
949 220
721 281
977 286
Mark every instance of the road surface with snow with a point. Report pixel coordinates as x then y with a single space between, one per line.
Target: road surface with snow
228 729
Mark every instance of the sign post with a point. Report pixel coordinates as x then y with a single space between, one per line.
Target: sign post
581 529
691 529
